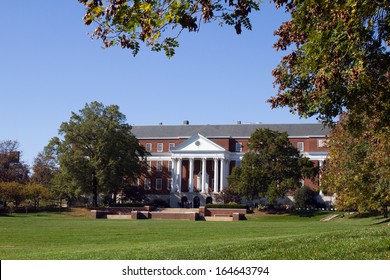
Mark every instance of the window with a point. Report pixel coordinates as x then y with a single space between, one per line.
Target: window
300 146
238 147
160 147
148 147
147 183
169 187
149 166
159 166
170 166
158 184
171 146
322 143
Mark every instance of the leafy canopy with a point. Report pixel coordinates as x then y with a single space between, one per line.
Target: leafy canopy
98 152
12 168
338 59
359 167
158 23
338 50
271 167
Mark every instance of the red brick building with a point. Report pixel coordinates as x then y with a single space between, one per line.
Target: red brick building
192 162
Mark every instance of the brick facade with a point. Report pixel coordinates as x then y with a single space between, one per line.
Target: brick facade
213 148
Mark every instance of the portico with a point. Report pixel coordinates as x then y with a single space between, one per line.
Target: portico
200 156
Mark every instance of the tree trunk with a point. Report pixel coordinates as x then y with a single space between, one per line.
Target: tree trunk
385 211
94 190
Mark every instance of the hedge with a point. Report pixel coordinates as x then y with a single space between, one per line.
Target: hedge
227 205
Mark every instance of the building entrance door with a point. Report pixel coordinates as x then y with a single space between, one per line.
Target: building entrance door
184 202
196 202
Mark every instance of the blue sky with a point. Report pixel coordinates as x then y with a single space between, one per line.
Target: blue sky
50 67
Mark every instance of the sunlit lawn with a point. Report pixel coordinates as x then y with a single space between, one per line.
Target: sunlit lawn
67 236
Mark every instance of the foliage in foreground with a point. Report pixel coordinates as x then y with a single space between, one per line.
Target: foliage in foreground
129 23
338 50
359 167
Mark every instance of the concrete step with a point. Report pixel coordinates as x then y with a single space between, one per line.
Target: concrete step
178 210
330 217
218 219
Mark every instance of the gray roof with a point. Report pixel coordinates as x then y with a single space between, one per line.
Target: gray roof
230 130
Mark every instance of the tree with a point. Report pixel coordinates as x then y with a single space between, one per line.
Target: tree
339 59
338 56
358 170
36 193
45 167
228 195
127 23
305 197
11 167
98 152
11 192
271 167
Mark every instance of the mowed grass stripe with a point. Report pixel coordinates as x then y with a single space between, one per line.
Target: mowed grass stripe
55 236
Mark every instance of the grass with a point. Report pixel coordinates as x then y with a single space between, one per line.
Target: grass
72 236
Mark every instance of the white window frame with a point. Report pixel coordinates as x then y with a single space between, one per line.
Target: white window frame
170 165
159 166
147 184
149 163
169 187
171 146
301 146
322 143
239 147
148 147
160 147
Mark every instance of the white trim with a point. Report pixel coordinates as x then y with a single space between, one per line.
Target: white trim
315 155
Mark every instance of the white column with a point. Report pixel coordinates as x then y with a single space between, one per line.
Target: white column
191 174
227 170
203 175
179 168
320 164
222 174
173 186
215 175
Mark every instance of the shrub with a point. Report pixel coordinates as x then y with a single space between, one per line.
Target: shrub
227 205
159 203
305 197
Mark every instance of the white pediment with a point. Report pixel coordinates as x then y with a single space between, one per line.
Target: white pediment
198 143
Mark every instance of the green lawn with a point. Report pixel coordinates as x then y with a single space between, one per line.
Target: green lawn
63 236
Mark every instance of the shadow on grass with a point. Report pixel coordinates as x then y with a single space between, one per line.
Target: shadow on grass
311 213
382 221
22 211
8 215
303 213
358 215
